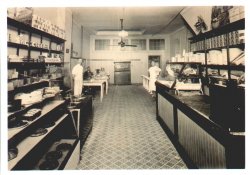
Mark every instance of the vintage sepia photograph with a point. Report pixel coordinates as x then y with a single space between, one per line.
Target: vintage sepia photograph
124 88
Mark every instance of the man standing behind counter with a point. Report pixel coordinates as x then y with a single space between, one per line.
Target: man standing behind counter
77 75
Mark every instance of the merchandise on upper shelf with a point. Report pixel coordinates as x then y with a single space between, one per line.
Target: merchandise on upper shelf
235 38
189 57
217 57
12 74
209 18
236 13
52 60
223 49
26 15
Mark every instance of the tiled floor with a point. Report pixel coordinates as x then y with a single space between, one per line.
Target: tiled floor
126 134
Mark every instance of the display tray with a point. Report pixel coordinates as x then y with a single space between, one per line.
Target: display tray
49 125
30 116
17 124
12 153
48 107
56 153
188 86
39 132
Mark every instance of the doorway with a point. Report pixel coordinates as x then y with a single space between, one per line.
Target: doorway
155 58
122 74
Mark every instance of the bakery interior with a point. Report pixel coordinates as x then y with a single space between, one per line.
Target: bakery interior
190 115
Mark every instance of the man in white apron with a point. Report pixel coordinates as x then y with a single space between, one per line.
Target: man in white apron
77 75
154 72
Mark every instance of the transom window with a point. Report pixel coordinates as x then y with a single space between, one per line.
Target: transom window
102 44
156 44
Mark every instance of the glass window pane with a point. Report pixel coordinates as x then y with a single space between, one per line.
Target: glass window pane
102 44
156 44
140 43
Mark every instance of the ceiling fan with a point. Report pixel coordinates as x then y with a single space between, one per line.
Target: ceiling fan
123 34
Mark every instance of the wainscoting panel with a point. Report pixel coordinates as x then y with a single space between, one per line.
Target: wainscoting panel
203 149
166 112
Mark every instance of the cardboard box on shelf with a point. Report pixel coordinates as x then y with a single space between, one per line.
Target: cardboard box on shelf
236 13
26 16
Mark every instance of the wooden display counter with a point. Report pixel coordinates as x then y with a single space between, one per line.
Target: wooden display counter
201 142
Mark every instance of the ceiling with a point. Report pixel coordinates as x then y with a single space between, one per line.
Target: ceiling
150 20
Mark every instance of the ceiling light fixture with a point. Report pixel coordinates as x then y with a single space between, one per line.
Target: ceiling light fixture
122 33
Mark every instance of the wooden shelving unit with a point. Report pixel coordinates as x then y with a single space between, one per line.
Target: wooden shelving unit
31 62
31 149
224 30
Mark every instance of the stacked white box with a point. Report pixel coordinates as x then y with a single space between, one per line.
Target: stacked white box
26 16
236 13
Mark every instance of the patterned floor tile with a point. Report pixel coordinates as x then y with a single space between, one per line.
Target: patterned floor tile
126 134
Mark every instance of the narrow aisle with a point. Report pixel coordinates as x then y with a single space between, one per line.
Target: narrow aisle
126 134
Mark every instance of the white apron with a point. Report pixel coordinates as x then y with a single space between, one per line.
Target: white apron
77 73
153 74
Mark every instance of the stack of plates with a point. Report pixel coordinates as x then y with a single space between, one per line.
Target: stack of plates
17 124
51 160
12 153
39 132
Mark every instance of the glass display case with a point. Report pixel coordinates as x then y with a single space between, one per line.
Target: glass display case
182 76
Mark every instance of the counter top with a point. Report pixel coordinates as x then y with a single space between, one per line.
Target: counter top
200 103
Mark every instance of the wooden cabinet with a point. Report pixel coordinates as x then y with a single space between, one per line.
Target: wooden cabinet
228 107
86 118
201 142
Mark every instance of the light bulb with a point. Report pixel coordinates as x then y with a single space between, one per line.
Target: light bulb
123 33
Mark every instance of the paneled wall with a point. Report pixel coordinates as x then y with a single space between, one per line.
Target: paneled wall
179 41
76 35
85 45
67 46
138 58
76 38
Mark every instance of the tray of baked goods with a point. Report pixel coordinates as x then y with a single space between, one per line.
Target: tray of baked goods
56 155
